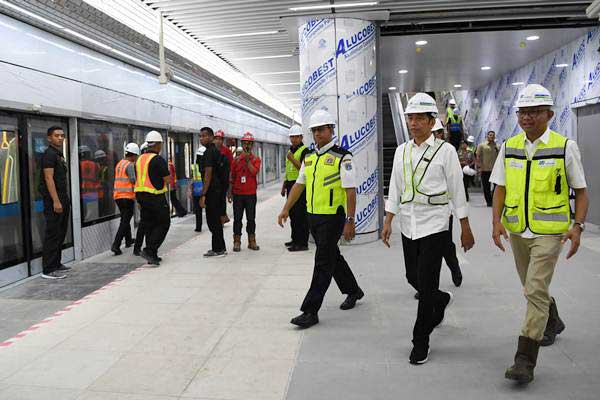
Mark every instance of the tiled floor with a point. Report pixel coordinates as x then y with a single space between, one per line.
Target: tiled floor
219 329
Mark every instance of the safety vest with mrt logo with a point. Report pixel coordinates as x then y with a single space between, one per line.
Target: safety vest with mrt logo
143 183
291 172
537 192
324 191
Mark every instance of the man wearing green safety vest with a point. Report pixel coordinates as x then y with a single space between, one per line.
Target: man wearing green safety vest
328 176
454 124
196 186
533 173
298 215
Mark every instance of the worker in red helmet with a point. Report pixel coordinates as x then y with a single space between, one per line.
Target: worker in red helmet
226 153
244 171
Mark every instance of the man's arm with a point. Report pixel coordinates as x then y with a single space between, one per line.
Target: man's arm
49 178
456 192
253 165
295 194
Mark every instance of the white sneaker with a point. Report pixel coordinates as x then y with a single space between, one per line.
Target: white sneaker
54 275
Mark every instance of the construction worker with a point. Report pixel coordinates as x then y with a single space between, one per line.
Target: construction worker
454 124
244 172
485 158
89 183
426 175
195 188
140 234
103 185
533 173
298 215
124 195
438 130
328 175
152 182
218 140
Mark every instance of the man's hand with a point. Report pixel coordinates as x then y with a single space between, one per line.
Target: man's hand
574 235
202 202
349 231
290 155
386 233
497 231
58 208
283 191
282 217
467 241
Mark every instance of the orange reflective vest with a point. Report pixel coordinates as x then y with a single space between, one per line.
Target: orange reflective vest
123 188
142 176
89 182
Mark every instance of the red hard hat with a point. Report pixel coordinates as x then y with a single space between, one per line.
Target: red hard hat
248 137
220 133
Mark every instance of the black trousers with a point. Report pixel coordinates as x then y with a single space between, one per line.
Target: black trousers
214 210
179 210
126 207
156 220
298 217
244 203
224 201
139 236
487 189
57 225
423 261
329 262
197 212
466 180
450 251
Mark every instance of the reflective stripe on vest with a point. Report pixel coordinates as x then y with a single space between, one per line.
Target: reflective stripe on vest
537 192
142 181
453 118
291 172
324 192
196 175
413 179
123 188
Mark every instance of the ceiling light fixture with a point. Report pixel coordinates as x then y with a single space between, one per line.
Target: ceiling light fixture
233 35
485 68
403 71
263 57
283 84
276 73
532 38
518 83
392 88
561 65
421 42
458 85
341 5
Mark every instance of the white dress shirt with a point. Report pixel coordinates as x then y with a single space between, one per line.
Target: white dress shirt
444 174
573 167
347 172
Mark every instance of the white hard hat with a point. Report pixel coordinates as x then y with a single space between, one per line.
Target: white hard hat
239 149
438 125
132 148
144 146
200 151
99 154
321 118
534 95
452 102
421 103
469 171
295 130
154 137
471 139
83 149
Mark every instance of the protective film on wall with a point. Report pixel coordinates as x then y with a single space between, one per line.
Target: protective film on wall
571 73
339 74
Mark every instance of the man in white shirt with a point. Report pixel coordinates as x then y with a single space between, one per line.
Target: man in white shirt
533 173
426 175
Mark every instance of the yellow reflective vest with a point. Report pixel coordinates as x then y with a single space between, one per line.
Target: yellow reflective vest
291 172
142 181
537 192
324 192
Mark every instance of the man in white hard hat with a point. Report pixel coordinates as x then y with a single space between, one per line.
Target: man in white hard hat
196 186
124 196
327 174
298 214
454 125
438 130
426 175
152 181
533 174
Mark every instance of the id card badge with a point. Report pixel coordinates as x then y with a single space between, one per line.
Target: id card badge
243 179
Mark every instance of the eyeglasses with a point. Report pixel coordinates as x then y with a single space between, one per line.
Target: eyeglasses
529 113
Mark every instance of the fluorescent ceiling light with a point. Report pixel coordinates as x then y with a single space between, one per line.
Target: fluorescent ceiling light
276 73
561 65
518 83
403 71
342 5
262 57
239 35
283 84
485 68
392 88
421 42
458 85
532 38
30 14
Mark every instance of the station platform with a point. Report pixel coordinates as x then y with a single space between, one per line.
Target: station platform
219 329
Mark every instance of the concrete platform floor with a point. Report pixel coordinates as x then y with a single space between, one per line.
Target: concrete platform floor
219 329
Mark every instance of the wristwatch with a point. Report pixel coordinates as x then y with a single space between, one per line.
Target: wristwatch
581 225
349 220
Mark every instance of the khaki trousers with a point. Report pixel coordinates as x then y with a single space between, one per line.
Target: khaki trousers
535 260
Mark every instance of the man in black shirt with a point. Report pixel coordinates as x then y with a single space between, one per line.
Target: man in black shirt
54 191
212 192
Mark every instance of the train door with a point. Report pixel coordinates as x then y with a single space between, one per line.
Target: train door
180 155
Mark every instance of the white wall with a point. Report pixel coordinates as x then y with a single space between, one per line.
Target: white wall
492 106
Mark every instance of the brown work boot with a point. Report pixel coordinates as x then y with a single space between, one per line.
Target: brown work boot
554 326
237 242
252 243
224 219
525 361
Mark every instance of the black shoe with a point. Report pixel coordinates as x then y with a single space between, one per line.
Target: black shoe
198 230
350 301
440 311
419 354
456 275
181 215
152 260
53 275
130 243
288 244
417 296
116 250
63 268
305 320
296 247
554 326
137 252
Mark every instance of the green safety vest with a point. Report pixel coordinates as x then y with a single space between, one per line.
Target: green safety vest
291 173
537 192
196 175
452 118
324 192
413 178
